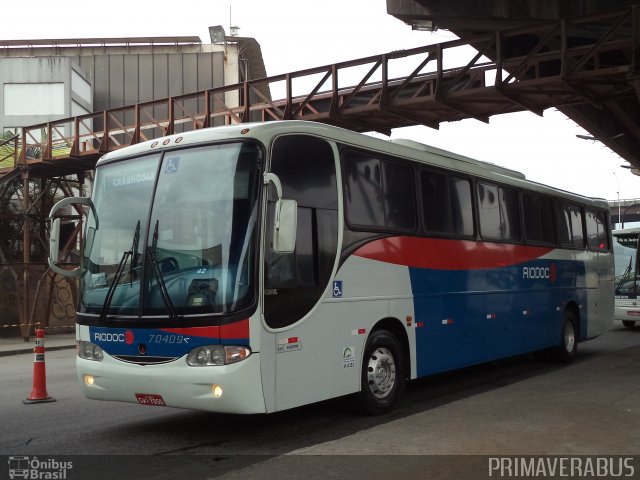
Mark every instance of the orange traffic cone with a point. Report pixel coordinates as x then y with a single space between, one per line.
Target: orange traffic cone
39 392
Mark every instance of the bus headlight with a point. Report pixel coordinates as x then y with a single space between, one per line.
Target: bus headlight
90 351
217 355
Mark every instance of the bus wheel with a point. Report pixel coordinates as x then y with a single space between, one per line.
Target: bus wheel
566 352
629 323
383 378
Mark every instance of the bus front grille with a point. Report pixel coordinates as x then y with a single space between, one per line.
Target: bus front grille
140 360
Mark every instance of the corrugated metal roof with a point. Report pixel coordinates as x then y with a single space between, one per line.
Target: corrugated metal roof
92 42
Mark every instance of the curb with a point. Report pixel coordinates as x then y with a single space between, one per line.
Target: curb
20 351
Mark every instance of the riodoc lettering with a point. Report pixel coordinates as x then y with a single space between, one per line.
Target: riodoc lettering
108 337
536 272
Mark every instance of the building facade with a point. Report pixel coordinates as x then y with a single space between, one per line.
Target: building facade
45 80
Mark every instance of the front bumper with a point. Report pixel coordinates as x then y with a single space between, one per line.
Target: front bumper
631 313
179 384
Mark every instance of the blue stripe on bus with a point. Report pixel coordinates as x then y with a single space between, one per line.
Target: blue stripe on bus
476 316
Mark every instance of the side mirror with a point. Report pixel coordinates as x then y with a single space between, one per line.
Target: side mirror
54 236
285 226
285 221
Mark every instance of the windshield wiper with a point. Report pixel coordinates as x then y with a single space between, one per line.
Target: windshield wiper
119 271
133 264
151 252
623 277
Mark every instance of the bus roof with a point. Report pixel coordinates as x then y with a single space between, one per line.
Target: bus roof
438 151
428 155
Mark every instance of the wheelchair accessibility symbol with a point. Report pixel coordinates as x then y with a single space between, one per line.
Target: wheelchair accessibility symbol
337 288
172 165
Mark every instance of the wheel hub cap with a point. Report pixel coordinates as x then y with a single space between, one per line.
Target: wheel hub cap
381 372
569 337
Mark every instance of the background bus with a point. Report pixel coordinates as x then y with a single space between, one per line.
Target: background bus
268 266
625 248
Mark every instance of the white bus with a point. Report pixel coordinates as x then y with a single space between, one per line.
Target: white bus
627 304
260 267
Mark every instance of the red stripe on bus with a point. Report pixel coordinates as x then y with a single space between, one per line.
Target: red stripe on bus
238 329
441 254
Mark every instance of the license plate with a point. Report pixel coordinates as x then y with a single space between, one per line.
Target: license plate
633 313
150 399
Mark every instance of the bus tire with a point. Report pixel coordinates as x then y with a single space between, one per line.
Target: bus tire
568 348
383 379
629 323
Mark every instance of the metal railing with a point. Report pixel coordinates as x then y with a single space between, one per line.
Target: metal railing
9 152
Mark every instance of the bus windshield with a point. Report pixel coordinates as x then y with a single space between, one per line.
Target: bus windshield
174 233
625 252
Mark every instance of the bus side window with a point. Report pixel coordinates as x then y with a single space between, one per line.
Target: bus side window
446 204
570 225
597 233
436 211
538 214
603 231
364 197
498 212
294 282
379 194
461 206
399 199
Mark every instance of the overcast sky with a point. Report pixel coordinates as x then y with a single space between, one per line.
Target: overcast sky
297 34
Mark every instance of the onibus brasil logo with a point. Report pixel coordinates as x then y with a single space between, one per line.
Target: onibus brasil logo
34 468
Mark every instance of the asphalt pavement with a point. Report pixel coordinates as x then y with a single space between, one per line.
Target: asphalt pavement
448 426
